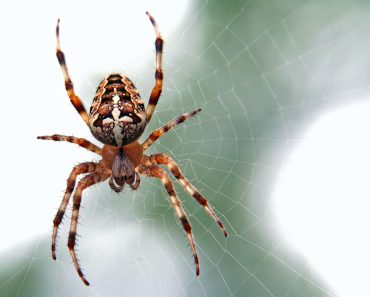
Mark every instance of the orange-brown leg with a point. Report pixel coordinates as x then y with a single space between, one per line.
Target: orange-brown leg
84 183
75 100
163 159
157 89
82 168
79 141
167 127
158 172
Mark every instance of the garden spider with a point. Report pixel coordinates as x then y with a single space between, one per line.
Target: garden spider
117 118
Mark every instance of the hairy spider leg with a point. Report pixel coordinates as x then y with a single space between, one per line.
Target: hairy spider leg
167 127
79 141
84 183
163 159
157 89
75 100
82 168
158 172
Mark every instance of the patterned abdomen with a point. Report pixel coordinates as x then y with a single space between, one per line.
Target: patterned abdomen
117 113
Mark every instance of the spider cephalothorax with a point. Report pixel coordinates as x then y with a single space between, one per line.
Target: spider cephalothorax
117 118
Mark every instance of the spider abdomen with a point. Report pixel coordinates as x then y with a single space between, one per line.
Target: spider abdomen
117 114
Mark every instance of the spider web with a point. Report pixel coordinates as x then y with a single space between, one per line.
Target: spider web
262 71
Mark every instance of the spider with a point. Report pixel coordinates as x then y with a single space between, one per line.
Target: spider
117 118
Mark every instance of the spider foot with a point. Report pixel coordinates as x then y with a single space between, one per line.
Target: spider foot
78 268
58 219
197 269
195 255
71 244
212 214
53 252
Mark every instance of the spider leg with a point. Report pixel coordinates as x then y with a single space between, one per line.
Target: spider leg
77 170
75 100
158 172
79 141
167 127
84 183
163 159
157 89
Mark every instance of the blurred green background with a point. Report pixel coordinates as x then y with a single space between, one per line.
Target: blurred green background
262 71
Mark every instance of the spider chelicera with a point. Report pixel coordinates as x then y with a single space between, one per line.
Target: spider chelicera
117 118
